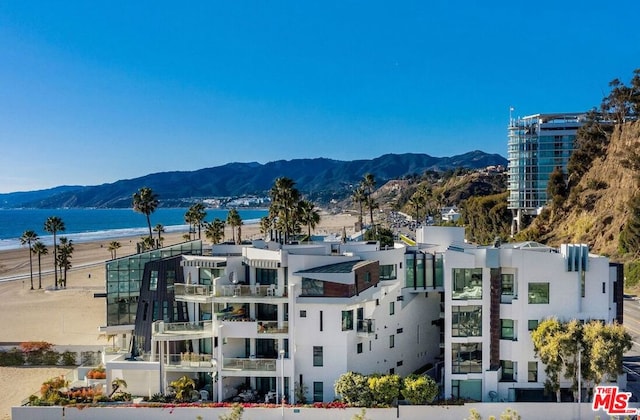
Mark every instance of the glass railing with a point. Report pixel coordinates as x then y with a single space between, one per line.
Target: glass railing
187 360
160 327
230 290
268 365
196 290
272 327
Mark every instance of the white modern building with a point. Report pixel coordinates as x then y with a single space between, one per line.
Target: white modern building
252 321
495 296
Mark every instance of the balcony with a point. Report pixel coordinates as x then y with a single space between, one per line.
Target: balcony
206 293
182 330
366 327
249 364
272 327
186 362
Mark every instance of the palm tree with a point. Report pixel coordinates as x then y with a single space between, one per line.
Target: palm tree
64 258
28 237
195 216
145 202
117 384
160 230
53 225
369 183
359 196
309 215
266 225
214 231
113 247
39 249
284 202
235 221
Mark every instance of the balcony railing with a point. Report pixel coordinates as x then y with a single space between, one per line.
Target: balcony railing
272 327
160 327
366 327
187 360
267 365
228 290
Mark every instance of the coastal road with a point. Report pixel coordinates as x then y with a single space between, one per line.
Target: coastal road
632 358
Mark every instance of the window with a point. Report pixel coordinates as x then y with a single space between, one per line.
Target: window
532 371
467 283
466 321
507 329
311 287
507 287
399 331
317 392
533 324
266 276
392 341
359 348
400 363
466 357
321 321
538 293
303 314
317 356
388 272
367 277
347 320
508 370
153 281
392 308
582 282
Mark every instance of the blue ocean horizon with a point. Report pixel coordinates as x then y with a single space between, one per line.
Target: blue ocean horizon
85 225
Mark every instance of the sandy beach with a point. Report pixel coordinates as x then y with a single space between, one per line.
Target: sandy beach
72 316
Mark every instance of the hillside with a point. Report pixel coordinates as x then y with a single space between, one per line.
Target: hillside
598 208
320 179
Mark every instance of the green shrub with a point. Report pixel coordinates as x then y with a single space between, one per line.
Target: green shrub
13 357
69 358
632 274
419 389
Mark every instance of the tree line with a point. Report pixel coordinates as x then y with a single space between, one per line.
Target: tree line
62 252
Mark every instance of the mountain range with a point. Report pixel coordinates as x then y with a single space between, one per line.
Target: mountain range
321 179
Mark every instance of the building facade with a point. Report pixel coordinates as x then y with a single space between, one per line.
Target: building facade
261 321
537 145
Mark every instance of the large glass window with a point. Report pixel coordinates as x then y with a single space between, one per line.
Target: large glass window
532 371
266 276
318 394
507 329
508 370
347 320
466 357
507 288
311 287
388 272
466 321
467 283
538 293
153 280
317 356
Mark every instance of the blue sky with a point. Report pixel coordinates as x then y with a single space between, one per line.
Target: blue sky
92 92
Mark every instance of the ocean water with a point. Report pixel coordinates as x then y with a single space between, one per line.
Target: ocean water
84 225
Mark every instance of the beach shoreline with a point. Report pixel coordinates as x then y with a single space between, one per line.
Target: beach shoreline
72 316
